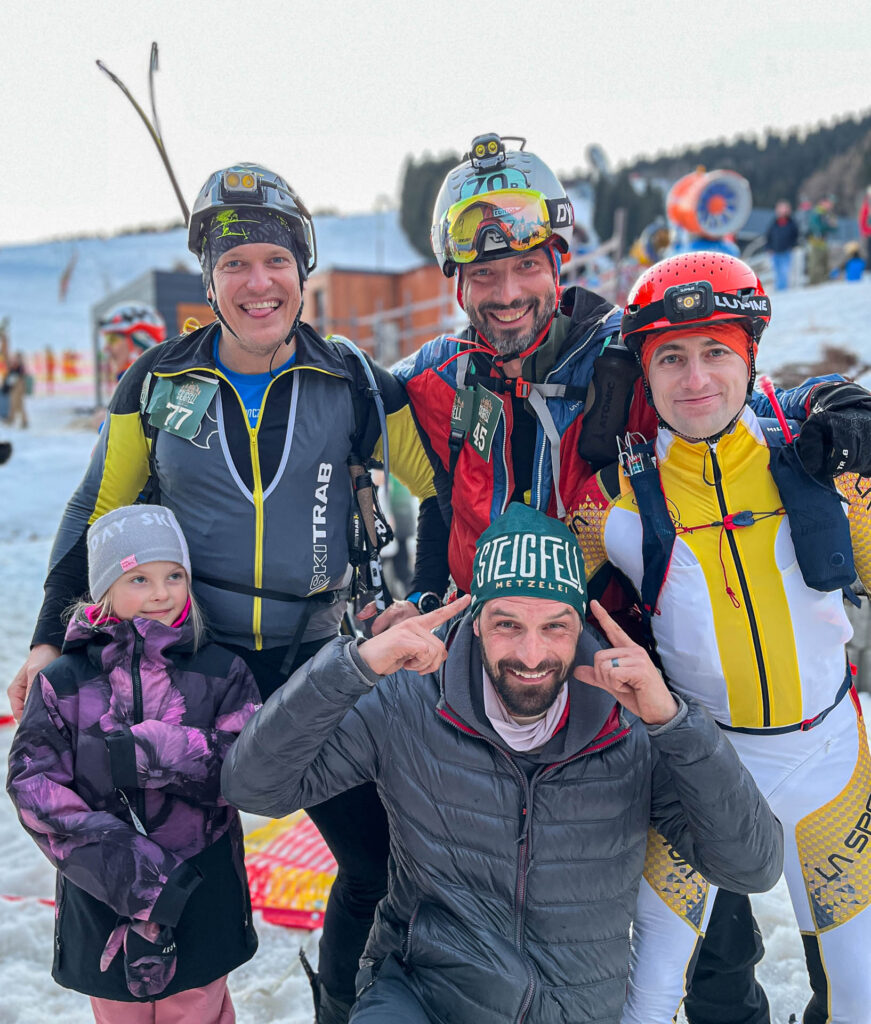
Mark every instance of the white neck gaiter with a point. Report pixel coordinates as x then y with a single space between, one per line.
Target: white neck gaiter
528 735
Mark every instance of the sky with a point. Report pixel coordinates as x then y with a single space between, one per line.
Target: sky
336 95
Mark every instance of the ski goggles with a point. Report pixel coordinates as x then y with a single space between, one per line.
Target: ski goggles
511 219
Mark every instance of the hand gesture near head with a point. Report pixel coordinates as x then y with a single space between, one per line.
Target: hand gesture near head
411 644
627 673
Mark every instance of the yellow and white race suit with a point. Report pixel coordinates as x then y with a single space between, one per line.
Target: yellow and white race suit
737 628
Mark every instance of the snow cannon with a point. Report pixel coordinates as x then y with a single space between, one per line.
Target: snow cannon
710 203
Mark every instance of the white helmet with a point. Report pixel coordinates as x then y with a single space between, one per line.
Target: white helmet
497 203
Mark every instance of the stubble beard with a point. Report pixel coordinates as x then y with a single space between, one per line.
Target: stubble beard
525 700
509 343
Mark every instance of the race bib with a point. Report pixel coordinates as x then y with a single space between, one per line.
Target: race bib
178 404
488 409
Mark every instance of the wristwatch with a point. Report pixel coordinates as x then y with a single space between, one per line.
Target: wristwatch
425 601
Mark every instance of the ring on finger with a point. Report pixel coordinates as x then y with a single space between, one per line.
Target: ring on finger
615 663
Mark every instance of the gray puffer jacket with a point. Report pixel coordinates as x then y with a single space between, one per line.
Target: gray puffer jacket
513 877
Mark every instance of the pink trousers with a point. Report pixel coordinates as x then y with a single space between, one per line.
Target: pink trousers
208 1005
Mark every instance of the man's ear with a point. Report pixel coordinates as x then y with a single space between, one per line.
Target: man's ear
476 628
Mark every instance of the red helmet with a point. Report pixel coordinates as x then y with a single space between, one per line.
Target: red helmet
140 324
695 287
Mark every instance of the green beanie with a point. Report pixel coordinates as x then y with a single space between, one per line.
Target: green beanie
525 553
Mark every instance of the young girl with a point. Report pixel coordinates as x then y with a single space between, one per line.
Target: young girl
115 772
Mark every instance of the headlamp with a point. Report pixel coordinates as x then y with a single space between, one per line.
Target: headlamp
238 185
487 152
691 301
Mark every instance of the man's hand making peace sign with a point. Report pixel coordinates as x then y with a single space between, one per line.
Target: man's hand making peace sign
411 644
627 673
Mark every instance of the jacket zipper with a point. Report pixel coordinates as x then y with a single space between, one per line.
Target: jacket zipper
509 476
136 678
522 867
408 932
742 580
61 901
520 886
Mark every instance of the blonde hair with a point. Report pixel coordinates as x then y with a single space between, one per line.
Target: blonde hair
80 612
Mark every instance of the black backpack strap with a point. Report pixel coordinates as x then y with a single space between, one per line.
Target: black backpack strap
150 493
657 529
367 429
817 520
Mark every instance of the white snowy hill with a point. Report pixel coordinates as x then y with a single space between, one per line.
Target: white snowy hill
30 275
807 321
49 459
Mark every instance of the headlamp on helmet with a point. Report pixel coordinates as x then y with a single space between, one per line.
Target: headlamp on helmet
488 151
692 301
235 186
695 288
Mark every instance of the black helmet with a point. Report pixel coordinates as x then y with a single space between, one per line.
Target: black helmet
252 186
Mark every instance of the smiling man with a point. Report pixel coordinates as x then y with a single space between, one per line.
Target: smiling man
244 429
739 557
519 789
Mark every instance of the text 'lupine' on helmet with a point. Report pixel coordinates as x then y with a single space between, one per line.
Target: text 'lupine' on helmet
137 322
251 186
695 288
497 203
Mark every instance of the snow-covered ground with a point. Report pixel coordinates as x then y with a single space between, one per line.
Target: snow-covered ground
46 465
804 321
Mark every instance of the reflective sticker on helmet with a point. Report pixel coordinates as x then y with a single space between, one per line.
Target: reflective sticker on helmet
506 177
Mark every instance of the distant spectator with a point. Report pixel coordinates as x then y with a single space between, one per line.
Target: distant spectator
781 239
821 223
852 266
15 387
865 223
50 368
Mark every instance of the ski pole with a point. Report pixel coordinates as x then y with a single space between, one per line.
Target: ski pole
153 129
767 389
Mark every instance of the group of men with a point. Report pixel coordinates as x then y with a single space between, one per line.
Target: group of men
513 766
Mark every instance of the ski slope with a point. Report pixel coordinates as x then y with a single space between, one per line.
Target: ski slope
46 465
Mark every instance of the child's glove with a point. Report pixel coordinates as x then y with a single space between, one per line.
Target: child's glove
149 956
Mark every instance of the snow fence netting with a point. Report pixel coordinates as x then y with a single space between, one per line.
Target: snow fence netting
290 871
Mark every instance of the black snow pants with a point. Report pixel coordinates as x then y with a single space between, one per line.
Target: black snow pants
723 988
354 826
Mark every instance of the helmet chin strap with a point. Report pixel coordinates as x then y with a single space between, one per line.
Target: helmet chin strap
500 358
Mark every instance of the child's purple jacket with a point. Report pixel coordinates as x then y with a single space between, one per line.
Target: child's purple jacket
124 733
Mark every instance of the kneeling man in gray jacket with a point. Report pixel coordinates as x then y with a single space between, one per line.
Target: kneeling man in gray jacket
520 765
